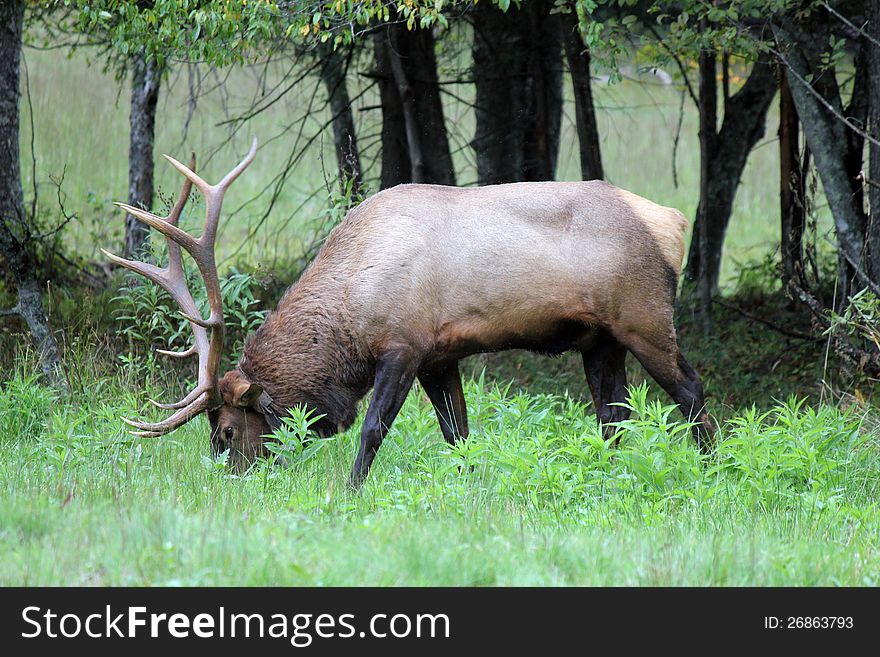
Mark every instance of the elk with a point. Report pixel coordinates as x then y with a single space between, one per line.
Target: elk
418 277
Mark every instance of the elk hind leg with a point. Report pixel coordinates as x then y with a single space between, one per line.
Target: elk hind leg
605 368
664 361
443 387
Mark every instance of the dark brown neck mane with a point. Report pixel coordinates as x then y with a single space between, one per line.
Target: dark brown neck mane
304 353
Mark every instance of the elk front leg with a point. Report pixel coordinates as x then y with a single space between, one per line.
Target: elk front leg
443 387
395 373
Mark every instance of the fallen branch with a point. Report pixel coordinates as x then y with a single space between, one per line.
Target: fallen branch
15 310
779 329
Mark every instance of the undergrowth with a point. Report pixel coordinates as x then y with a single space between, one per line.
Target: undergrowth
535 464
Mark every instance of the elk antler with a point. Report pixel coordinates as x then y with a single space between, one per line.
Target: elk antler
206 394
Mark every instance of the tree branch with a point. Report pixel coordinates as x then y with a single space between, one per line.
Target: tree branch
678 62
822 101
760 320
15 310
848 23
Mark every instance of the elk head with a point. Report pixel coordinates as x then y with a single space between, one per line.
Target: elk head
238 410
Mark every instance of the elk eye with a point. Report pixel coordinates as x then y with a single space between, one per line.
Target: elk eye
228 431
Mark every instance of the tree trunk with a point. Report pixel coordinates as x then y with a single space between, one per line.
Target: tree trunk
708 154
408 101
497 53
334 67
545 74
17 239
827 137
410 90
395 154
857 112
517 69
724 159
578 57
873 58
145 80
792 186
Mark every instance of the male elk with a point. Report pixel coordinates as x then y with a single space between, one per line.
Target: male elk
416 278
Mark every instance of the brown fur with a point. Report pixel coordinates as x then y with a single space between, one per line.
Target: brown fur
438 273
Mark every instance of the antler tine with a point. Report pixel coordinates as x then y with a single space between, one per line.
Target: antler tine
214 198
143 268
168 225
177 354
230 177
175 264
181 417
170 277
169 230
175 287
202 248
186 401
190 174
174 216
155 274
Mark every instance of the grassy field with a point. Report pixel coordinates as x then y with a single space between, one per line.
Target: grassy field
535 496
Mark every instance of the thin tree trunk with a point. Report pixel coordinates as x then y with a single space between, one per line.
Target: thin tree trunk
420 66
413 127
873 231
792 186
17 239
826 135
395 152
333 72
725 77
500 107
517 69
418 168
745 116
145 81
857 112
578 56
708 145
545 78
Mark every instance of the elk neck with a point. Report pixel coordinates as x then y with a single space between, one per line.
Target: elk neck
306 353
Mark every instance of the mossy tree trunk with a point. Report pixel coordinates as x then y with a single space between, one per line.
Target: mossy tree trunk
18 235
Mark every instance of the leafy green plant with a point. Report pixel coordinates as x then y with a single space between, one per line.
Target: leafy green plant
860 319
293 442
148 316
25 406
218 464
757 278
856 333
242 308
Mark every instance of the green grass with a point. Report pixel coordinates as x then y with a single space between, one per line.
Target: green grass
535 496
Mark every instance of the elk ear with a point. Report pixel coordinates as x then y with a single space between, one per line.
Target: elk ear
238 391
249 396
